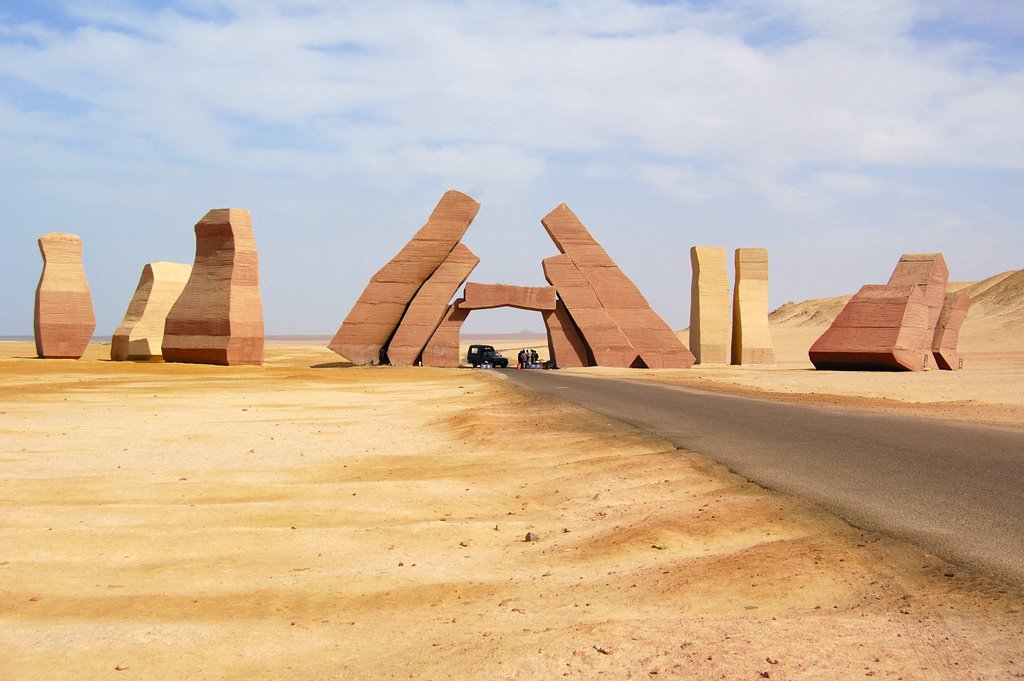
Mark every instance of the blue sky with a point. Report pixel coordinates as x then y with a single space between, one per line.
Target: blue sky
837 135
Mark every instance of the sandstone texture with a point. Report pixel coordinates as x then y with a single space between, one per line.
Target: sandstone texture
656 345
443 349
947 330
709 305
751 337
218 318
486 296
141 333
429 306
64 318
891 327
565 347
606 342
377 313
881 328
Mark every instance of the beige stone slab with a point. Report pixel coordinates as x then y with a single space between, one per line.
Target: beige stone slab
655 342
486 296
140 334
710 336
218 318
751 335
429 306
378 311
64 319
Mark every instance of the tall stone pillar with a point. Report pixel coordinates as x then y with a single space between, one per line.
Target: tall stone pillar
709 305
751 336
64 318
141 333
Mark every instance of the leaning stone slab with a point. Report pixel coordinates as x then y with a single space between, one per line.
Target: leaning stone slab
655 343
429 305
487 296
141 333
607 344
443 349
947 330
928 272
882 328
64 319
565 347
709 305
751 335
218 318
377 313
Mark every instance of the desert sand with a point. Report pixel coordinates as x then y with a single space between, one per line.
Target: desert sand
312 520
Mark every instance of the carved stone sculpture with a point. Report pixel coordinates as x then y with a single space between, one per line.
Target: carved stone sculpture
881 328
379 309
141 333
443 349
218 318
487 296
607 344
64 318
751 336
947 330
891 327
655 343
429 305
565 347
709 305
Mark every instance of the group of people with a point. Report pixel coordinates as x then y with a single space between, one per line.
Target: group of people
527 358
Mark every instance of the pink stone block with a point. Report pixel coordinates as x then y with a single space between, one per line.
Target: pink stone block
487 296
64 318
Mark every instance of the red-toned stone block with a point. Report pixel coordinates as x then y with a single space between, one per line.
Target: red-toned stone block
443 349
565 347
218 318
377 313
655 343
429 306
487 296
64 318
947 330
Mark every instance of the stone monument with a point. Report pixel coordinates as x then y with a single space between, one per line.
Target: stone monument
709 305
443 349
141 333
751 336
947 330
218 318
64 318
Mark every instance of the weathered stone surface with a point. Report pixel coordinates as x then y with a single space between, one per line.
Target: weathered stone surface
218 318
751 336
947 330
429 305
656 344
927 271
565 347
607 344
709 305
443 349
888 327
377 313
486 296
64 317
881 328
141 333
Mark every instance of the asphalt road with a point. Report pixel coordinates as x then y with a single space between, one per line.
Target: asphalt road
955 489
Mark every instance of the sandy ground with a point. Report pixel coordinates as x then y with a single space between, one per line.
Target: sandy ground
308 520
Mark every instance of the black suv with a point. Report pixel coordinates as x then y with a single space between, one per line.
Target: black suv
486 355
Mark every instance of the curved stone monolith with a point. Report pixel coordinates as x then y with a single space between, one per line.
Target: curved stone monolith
64 318
947 330
377 313
141 333
709 305
218 318
751 336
